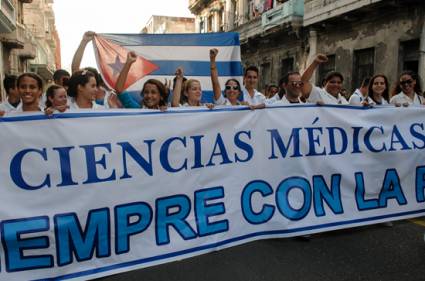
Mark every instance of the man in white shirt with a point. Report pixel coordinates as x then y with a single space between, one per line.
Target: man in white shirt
250 93
13 98
331 91
360 97
291 84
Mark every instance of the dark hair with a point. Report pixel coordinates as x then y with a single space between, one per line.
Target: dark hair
33 76
50 93
97 76
9 82
237 83
80 77
58 74
285 79
417 89
331 75
365 82
163 92
385 94
269 86
251 68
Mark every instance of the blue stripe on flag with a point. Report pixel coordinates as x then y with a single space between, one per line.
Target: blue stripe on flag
185 39
198 68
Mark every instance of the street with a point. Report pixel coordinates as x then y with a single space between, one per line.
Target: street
374 252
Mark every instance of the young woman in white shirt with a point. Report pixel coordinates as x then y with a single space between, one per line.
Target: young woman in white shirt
378 90
407 91
30 88
82 89
332 85
191 90
56 99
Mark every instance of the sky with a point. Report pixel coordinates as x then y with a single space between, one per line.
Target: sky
74 17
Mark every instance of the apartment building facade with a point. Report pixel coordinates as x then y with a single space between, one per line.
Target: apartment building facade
166 24
361 37
28 38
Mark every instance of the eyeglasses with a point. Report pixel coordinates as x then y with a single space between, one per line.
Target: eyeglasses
410 81
228 87
296 83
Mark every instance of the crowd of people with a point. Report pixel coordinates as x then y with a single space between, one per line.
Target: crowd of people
85 89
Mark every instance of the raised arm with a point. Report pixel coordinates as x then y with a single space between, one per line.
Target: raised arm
78 56
175 102
308 73
214 75
122 77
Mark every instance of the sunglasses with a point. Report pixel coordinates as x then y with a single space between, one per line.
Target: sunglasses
296 83
410 81
228 87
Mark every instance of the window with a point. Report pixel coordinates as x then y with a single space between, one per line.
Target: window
409 55
286 66
363 66
265 75
210 23
202 26
236 13
325 68
221 20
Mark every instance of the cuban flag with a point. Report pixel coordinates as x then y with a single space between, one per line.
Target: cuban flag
159 55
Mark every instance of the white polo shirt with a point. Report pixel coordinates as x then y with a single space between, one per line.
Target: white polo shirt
320 95
401 98
7 107
74 106
357 98
257 99
285 101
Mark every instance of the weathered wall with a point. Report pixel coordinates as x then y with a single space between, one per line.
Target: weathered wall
384 32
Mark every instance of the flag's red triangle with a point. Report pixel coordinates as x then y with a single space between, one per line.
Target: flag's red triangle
111 58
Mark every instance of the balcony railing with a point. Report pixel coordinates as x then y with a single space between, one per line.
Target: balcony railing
196 5
14 39
30 47
7 16
320 10
292 10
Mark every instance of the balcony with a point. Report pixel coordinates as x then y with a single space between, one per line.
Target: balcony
14 39
30 47
321 10
196 6
7 16
287 13
249 29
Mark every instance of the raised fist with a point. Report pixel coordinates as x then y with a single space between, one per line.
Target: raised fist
131 57
321 58
213 53
88 36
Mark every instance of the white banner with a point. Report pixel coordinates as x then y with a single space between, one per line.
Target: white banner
90 194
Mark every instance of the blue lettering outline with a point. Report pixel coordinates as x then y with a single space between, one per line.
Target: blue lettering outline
307 198
43 243
267 210
72 248
166 240
220 226
128 224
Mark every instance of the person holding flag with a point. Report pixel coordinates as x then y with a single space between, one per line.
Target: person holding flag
154 93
